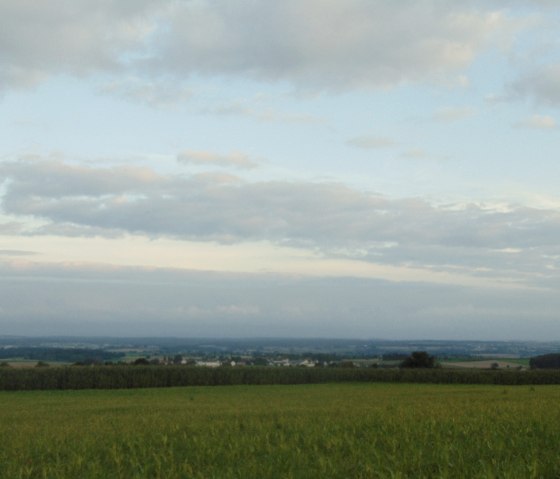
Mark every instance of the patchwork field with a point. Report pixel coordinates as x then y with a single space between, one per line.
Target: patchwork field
306 431
482 364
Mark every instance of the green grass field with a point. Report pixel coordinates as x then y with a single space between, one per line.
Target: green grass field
306 431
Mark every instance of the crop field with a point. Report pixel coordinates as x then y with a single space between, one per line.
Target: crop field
346 430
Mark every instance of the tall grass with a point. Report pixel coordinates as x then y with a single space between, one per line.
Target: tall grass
306 431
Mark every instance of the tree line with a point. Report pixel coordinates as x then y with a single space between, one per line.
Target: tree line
545 361
68 355
119 377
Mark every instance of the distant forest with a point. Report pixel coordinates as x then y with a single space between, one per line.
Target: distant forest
67 355
545 361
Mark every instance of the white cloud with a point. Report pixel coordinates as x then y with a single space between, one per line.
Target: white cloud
47 178
313 44
16 252
11 227
539 122
415 153
328 44
451 114
267 115
208 158
371 142
332 218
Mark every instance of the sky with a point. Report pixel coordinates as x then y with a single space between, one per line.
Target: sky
303 168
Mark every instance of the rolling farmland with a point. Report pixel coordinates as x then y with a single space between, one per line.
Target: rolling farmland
299 431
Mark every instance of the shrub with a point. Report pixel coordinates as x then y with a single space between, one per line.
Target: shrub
419 359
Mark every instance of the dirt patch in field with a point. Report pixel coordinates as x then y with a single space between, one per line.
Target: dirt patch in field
485 364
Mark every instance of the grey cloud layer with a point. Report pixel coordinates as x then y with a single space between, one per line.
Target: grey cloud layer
325 44
331 218
53 300
543 84
38 39
208 158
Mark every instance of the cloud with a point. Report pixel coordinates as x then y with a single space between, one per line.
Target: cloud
333 219
11 227
371 142
16 252
80 300
326 44
51 179
539 122
81 37
451 114
267 115
207 158
542 84
312 44
415 153
153 93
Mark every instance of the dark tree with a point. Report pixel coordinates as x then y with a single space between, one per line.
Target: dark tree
141 362
419 359
346 364
546 361
259 361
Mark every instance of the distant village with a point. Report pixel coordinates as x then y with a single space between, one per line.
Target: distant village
307 362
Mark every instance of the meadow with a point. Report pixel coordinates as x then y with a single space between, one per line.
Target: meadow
343 430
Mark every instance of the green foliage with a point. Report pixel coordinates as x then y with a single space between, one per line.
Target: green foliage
141 362
307 431
153 376
259 361
546 361
346 364
68 355
419 359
